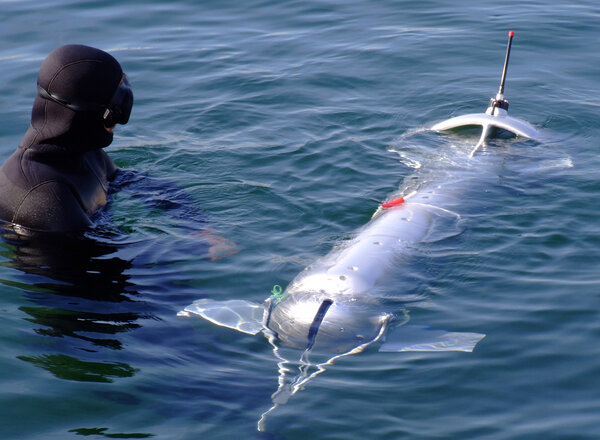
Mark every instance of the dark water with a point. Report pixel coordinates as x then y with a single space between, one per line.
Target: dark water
279 127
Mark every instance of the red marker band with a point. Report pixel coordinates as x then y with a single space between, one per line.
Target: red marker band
392 203
398 201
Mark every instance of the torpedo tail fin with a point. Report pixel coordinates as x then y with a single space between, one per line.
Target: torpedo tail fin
243 316
421 338
495 117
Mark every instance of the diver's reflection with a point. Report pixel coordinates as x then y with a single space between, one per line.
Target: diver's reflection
77 287
67 265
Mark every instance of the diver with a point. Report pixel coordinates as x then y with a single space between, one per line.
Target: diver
58 177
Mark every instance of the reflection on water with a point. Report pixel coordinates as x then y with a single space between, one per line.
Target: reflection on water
76 284
59 323
70 368
102 432
79 285
67 265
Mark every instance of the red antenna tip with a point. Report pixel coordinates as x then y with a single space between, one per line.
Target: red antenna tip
511 33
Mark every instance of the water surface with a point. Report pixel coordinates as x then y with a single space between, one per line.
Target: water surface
280 127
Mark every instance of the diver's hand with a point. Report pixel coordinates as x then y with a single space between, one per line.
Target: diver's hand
219 247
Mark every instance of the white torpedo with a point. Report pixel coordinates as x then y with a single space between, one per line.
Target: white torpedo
330 309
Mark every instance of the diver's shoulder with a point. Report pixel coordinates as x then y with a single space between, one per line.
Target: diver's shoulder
51 205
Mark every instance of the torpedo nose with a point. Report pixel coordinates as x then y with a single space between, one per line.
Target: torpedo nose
310 321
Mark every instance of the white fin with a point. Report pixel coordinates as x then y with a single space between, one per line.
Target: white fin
508 123
421 338
243 316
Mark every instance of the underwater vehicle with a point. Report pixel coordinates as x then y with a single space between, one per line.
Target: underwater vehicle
330 309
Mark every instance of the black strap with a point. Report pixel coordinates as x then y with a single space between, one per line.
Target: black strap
314 327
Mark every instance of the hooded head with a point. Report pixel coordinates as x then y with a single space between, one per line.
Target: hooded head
81 92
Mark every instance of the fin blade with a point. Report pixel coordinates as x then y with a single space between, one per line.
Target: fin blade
508 123
421 338
240 315
471 119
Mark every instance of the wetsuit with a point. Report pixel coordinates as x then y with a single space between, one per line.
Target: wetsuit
58 176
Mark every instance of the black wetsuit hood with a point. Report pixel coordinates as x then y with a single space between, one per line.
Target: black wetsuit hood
58 177
75 73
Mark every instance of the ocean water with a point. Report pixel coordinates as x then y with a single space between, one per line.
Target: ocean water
263 134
